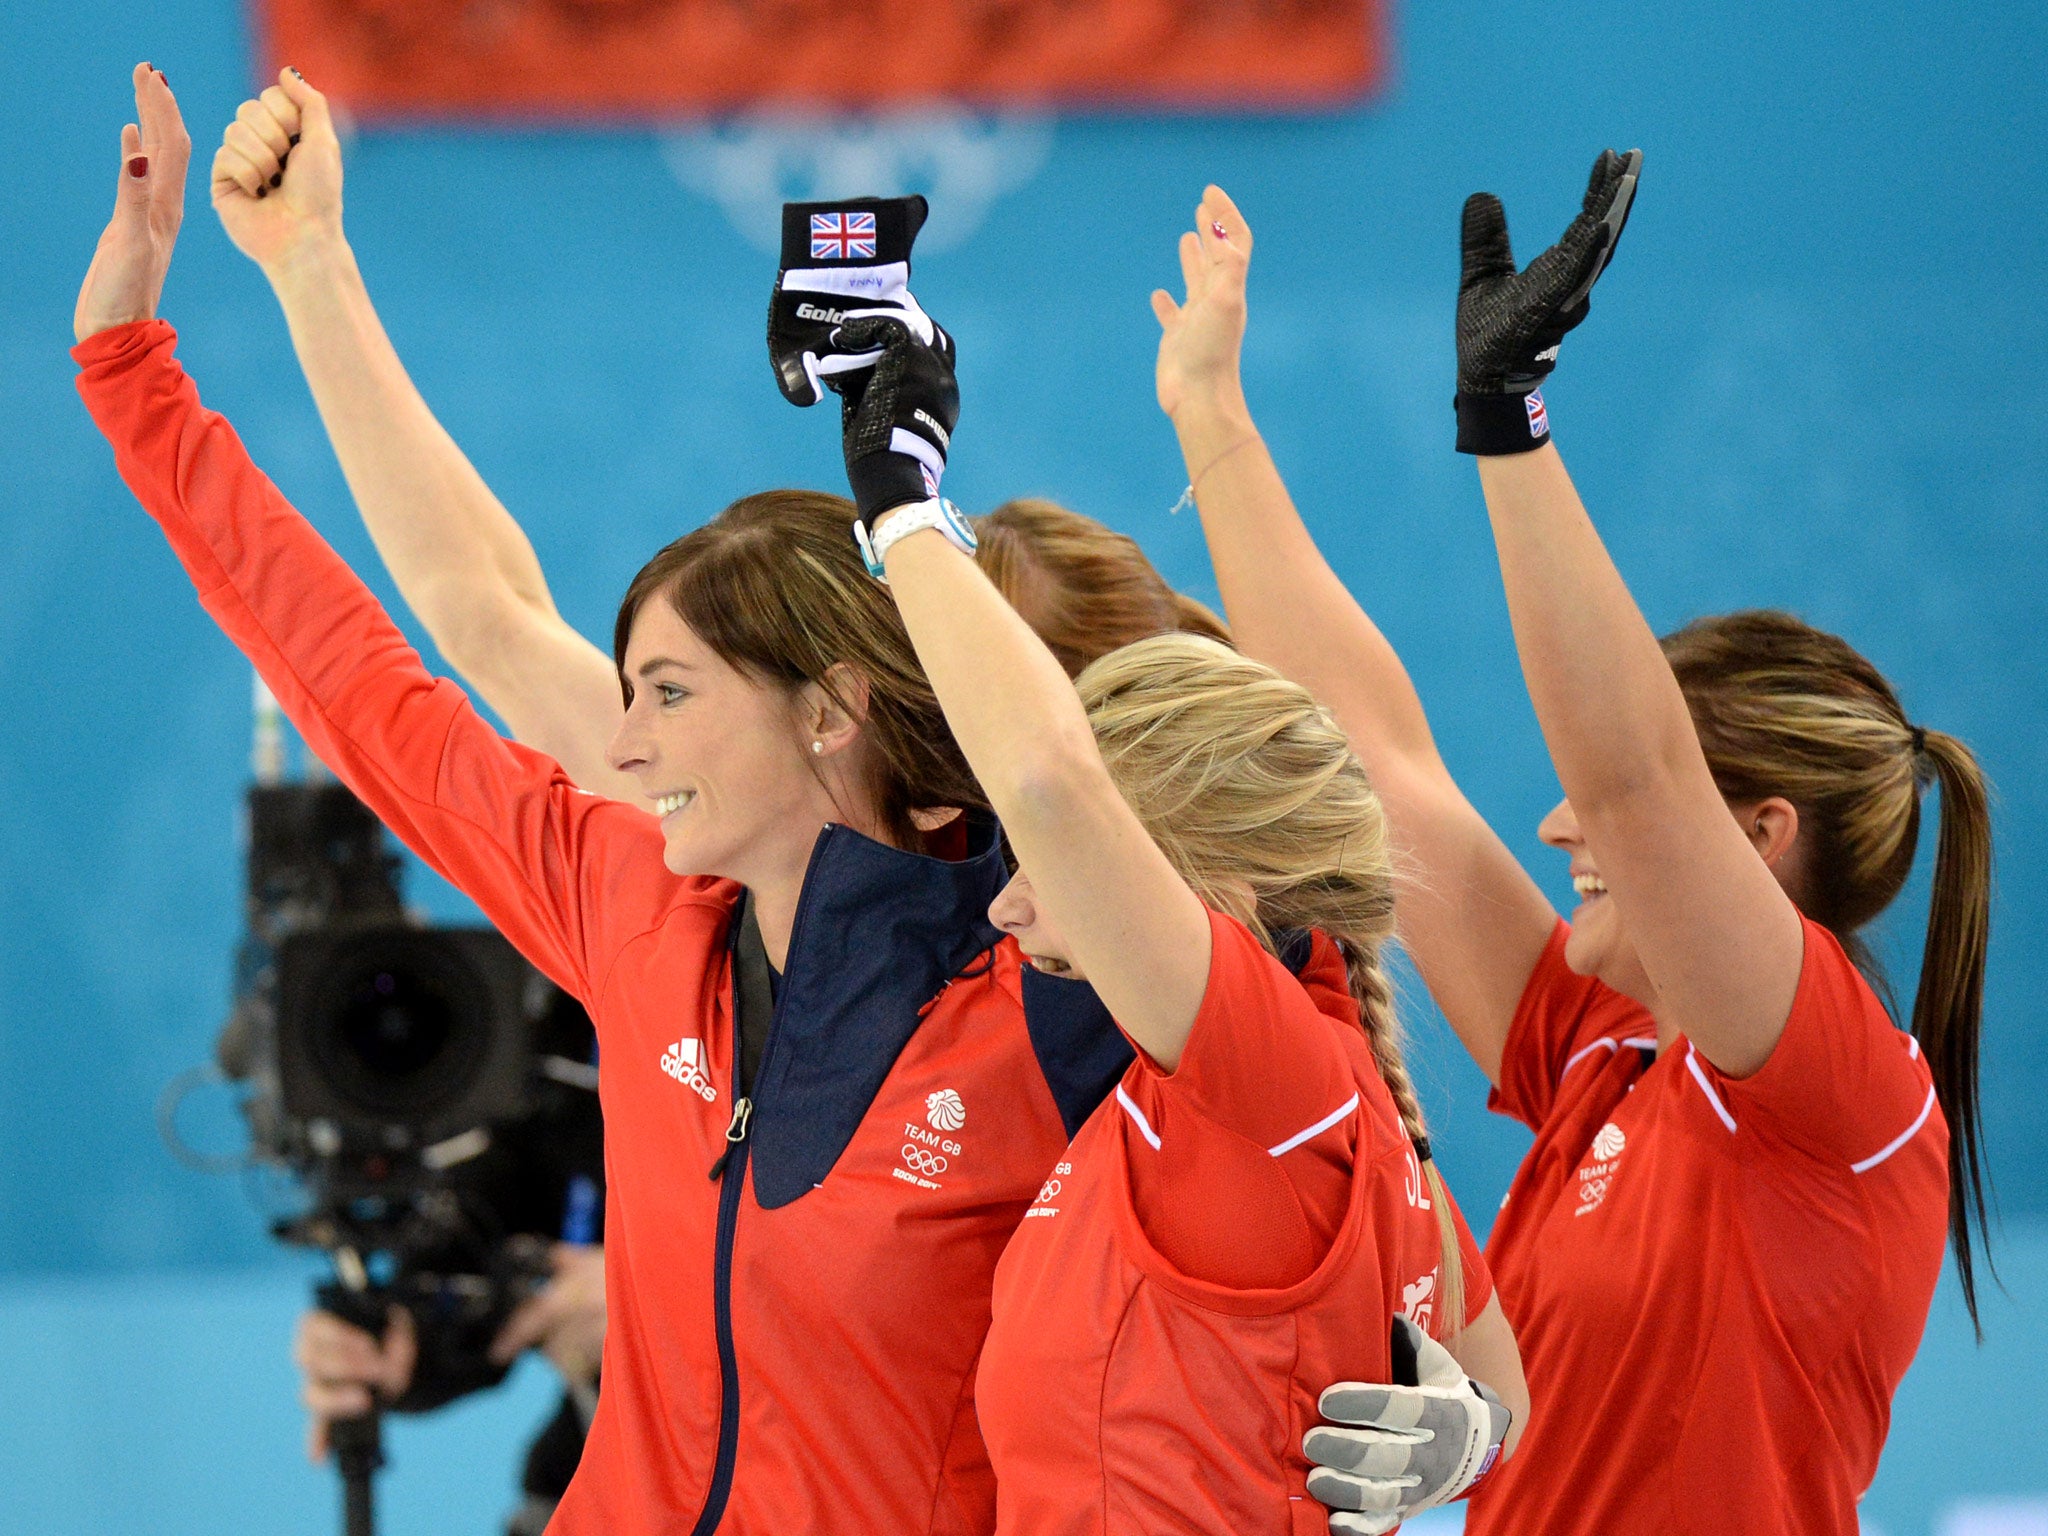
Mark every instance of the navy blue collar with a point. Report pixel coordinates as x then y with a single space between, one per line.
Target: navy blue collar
878 933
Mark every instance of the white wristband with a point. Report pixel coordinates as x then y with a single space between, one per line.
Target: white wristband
913 517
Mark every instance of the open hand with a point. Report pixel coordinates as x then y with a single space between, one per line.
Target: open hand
1201 337
1510 322
277 173
126 277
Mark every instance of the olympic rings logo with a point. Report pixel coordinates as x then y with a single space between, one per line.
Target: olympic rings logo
926 1163
1050 1190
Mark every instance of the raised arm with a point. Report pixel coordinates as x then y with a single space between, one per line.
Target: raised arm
1719 941
461 562
562 873
1718 938
1135 928
1473 919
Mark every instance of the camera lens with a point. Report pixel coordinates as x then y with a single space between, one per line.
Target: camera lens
393 1027
403 1033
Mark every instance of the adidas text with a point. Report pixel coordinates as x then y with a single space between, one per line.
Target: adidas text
682 1061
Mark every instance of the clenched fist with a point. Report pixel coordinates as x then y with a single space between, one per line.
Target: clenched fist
277 173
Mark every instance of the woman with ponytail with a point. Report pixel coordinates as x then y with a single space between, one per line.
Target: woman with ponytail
1231 1231
1720 1253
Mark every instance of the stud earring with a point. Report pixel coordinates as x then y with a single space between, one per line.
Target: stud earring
818 747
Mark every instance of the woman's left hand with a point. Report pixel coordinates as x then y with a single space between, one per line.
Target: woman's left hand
1201 337
127 273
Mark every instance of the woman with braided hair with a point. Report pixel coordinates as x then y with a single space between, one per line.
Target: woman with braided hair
1720 1253
1233 1228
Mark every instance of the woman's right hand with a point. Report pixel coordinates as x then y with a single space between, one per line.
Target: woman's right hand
342 1364
277 174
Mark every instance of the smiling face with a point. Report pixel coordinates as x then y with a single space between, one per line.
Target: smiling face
1599 944
725 761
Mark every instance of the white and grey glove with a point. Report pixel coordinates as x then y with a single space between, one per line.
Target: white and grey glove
1396 1450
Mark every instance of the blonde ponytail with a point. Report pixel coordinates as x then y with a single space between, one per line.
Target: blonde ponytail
1253 794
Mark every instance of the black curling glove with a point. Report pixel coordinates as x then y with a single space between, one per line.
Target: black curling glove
897 420
1510 323
840 261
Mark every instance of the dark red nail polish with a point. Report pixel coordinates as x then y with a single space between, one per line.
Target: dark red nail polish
263 191
278 179
295 71
163 77
295 138
139 166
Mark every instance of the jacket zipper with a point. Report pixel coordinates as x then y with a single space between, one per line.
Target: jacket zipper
731 1166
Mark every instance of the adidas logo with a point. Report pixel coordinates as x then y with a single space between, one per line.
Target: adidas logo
683 1061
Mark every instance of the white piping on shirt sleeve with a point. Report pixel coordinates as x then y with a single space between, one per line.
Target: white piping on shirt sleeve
1322 1125
1137 1115
1608 1042
1692 1064
1583 1052
1898 1141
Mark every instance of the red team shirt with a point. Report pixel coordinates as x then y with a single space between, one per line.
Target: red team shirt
1217 1246
1716 1283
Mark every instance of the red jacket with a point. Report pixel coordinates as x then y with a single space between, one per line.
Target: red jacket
1717 1282
1218 1245
791 1341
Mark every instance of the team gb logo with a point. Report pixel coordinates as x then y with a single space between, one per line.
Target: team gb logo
944 1111
1597 1177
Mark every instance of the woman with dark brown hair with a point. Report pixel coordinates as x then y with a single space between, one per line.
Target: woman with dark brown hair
467 570
1720 1253
827 1105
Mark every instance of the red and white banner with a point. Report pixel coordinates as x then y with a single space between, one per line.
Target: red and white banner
599 59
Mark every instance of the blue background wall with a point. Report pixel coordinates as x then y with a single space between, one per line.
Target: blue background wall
1811 380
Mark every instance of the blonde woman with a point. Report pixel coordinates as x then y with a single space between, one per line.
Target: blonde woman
1230 1232
1720 1252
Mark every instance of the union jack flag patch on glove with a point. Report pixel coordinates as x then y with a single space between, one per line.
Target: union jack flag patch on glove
842 236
